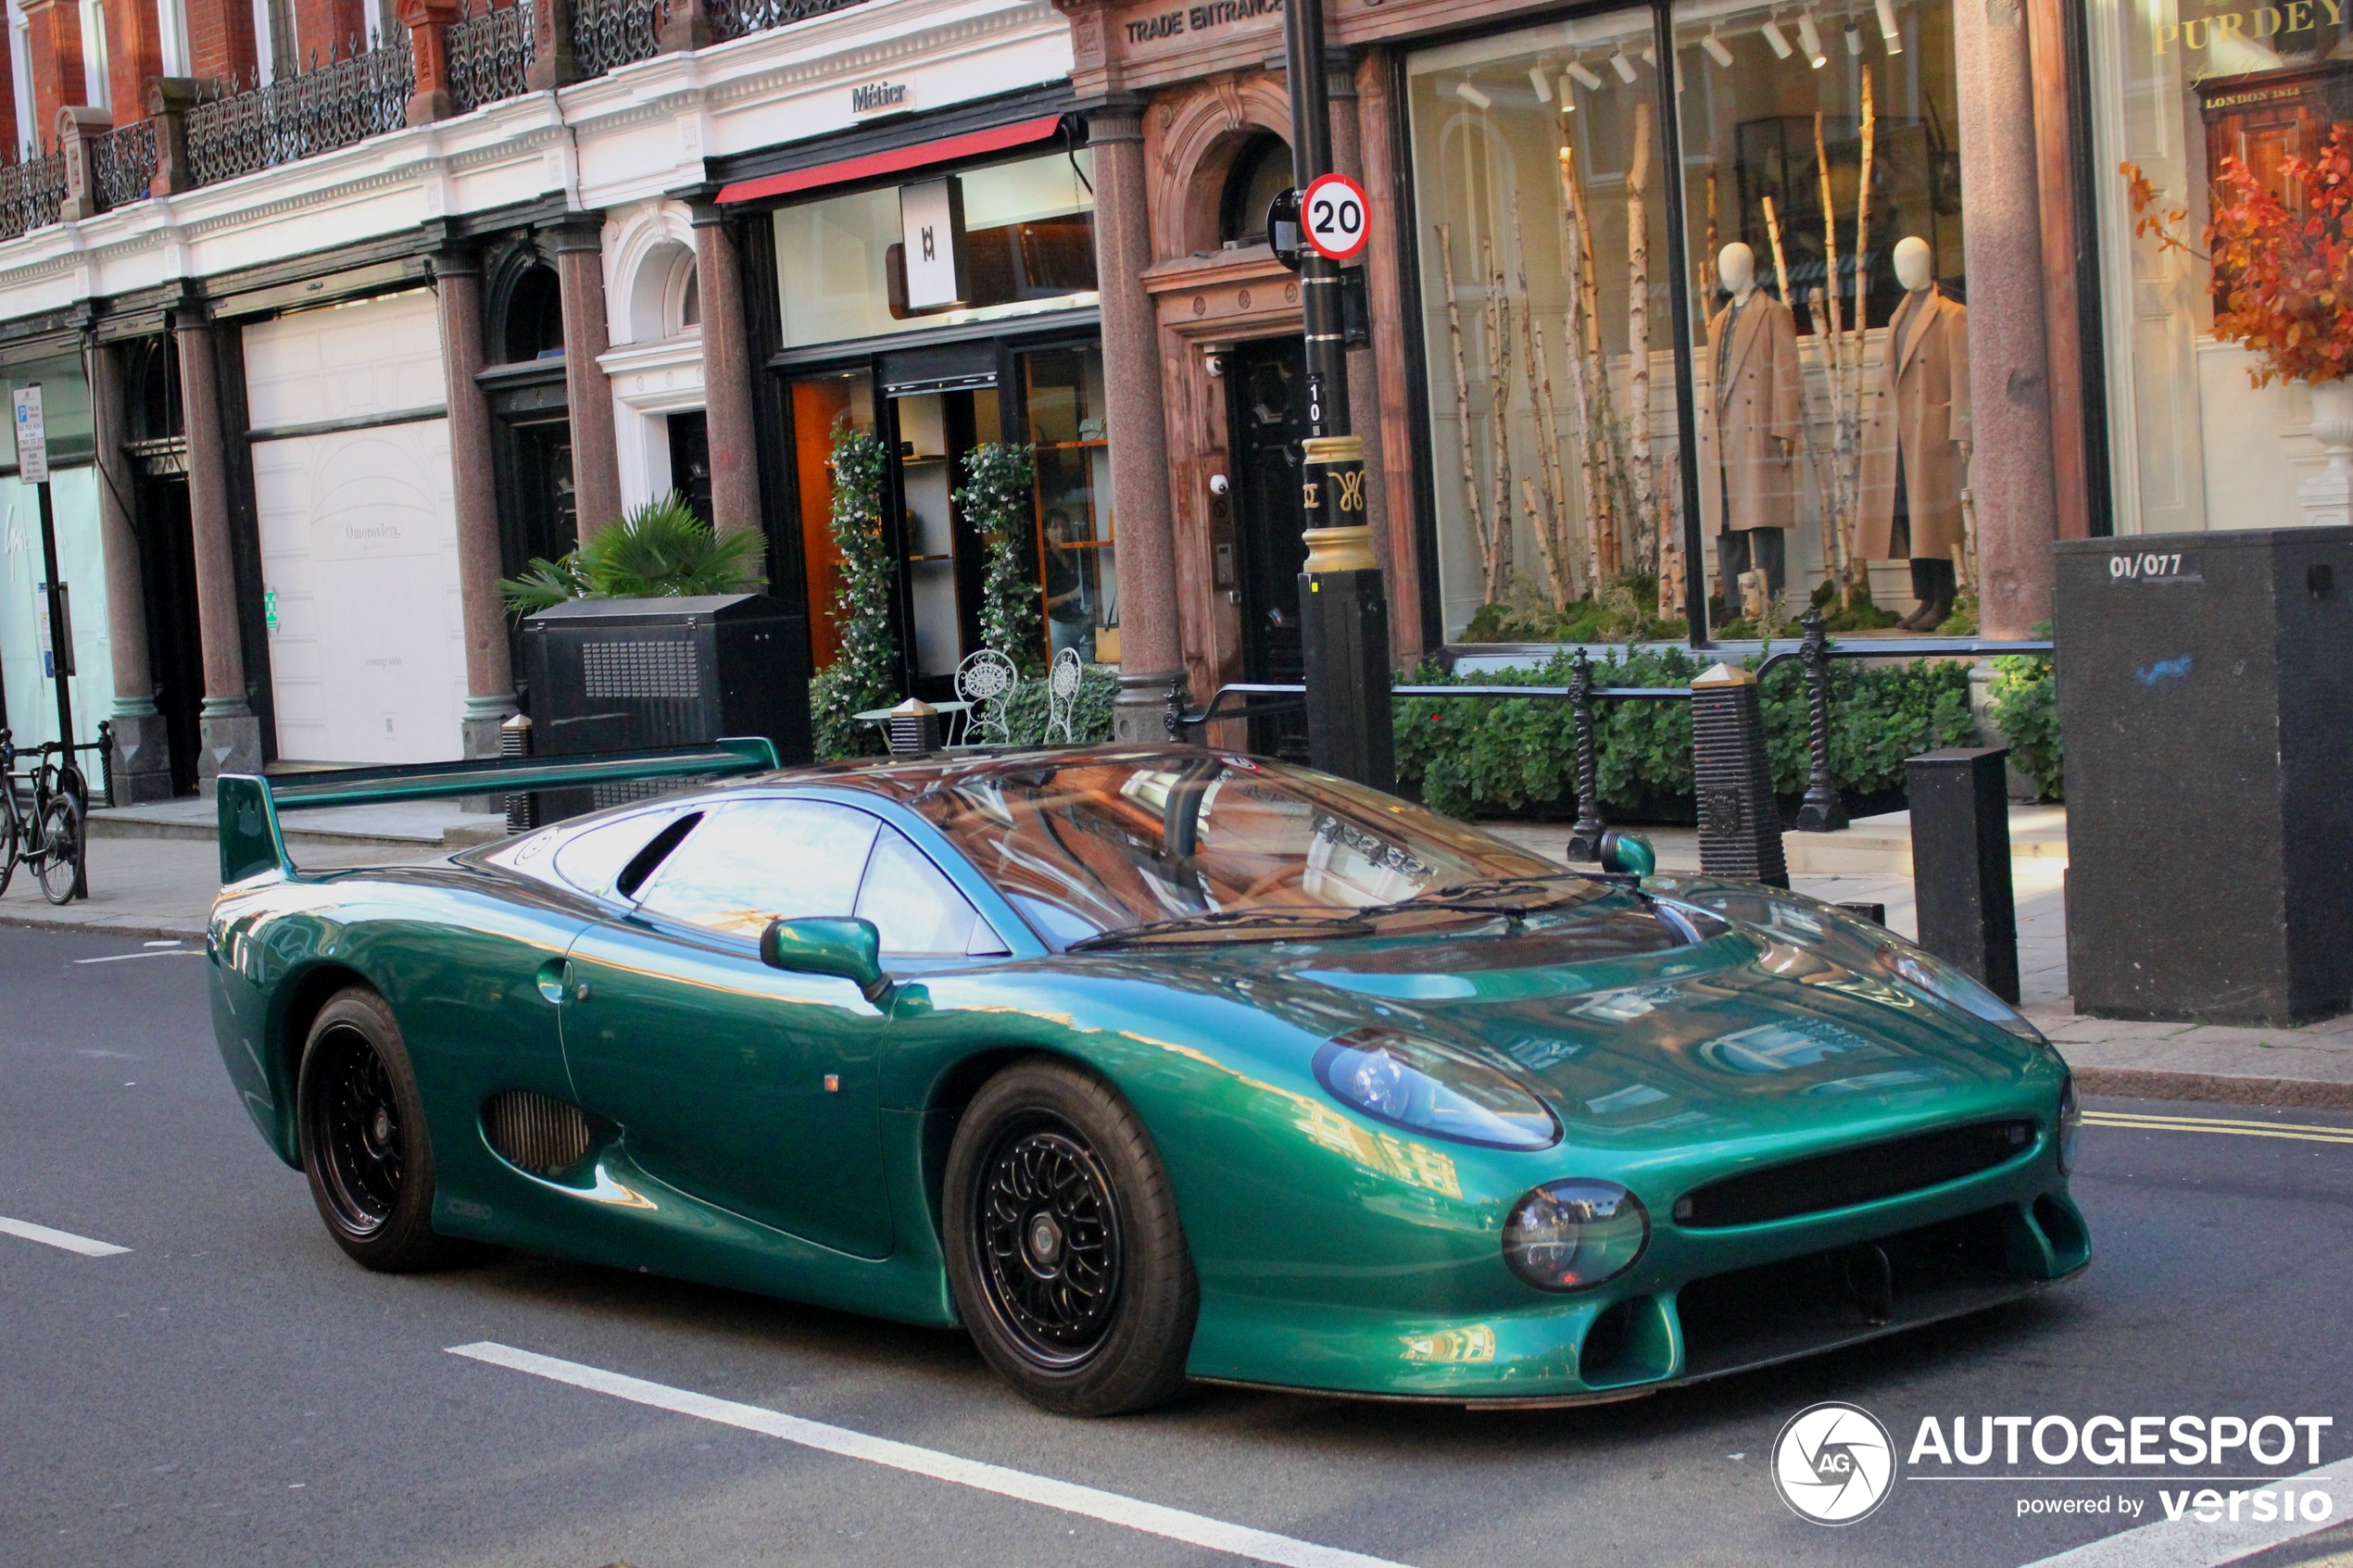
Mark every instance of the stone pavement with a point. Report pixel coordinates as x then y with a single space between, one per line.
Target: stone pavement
160 883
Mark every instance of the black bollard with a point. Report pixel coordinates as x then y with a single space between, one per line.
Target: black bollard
1585 838
1822 812
1740 825
1961 862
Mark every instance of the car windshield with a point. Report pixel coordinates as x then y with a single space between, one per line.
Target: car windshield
1221 845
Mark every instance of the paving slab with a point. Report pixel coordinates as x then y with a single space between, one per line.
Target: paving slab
1883 843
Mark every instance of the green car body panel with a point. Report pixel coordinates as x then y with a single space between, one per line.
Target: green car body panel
1334 1252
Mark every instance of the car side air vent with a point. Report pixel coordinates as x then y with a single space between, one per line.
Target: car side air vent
545 1135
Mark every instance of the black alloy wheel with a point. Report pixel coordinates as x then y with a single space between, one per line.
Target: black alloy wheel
1065 1252
363 1136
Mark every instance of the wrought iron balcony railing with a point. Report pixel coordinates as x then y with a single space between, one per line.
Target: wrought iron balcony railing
741 18
122 163
490 54
606 34
364 94
31 192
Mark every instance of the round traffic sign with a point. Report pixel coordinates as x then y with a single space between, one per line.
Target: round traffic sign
1335 215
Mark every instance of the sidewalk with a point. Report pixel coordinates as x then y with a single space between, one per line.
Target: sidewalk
153 871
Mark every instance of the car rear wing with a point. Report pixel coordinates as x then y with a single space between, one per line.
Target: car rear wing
251 842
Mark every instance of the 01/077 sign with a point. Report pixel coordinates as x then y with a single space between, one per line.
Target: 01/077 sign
1334 214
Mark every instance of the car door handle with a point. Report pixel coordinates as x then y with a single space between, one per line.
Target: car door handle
554 978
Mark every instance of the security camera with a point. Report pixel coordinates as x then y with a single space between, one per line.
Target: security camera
1220 485
1216 367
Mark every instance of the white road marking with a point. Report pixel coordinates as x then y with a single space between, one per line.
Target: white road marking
1194 1529
2185 1543
66 1239
158 953
173 943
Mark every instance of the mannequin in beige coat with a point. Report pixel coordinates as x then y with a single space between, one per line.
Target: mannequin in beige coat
1749 426
1916 437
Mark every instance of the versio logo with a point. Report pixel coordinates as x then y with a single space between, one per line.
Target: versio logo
1834 1464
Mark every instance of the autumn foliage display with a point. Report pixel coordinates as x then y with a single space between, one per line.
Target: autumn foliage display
2283 274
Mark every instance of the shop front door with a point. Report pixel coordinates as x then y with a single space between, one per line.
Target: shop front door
1266 397
175 654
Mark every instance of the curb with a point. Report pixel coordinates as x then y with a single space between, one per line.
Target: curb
2224 1088
128 927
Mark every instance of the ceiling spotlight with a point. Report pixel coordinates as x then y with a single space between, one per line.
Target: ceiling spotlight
1473 96
1541 82
1621 64
1777 39
1585 76
1569 97
1811 38
1887 28
1716 51
1854 38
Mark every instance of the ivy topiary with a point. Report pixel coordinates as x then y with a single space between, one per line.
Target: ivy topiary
996 500
864 673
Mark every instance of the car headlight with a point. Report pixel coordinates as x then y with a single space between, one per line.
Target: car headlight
1938 979
2070 1125
1412 1083
1575 1235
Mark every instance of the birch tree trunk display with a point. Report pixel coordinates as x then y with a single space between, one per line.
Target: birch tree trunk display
1601 408
1551 541
1862 308
1499 375
1842 442
1574 356
1637 326
1462 411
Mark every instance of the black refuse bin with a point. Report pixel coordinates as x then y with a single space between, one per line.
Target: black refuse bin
619 674
2205 694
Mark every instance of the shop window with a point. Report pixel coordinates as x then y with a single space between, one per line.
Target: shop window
535 317
821 405
1062 390
1823 199
64 406
1541 190
1027 247
1261 170
151 388
2216 107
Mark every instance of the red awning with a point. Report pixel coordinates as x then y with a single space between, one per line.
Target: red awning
925 155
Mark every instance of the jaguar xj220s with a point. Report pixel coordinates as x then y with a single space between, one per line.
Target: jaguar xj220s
1144 1065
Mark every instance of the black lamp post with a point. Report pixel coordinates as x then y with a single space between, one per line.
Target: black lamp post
1344 608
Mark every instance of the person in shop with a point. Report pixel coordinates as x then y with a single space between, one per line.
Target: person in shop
1068 615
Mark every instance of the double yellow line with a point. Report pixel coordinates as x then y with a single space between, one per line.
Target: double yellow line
2302 1132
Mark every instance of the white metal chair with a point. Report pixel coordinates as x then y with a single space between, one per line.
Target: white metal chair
987 679
1061 696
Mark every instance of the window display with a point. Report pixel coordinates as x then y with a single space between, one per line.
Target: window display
2217 137
1062 389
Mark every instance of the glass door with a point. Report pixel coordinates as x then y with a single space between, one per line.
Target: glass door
1062 394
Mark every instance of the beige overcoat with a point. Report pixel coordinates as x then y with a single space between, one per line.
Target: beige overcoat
1743 423
1921 407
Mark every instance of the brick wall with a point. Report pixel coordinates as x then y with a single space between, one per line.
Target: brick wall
221 40
134 51
326 28
55 30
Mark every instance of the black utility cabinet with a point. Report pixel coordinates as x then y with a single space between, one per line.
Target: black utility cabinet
619 674
2206 692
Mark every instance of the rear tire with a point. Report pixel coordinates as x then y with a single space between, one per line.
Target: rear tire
1065 1252
60 865
364 1141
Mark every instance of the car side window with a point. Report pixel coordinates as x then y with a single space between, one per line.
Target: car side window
755 861
916 909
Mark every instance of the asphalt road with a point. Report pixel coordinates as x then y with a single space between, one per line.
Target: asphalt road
231 1390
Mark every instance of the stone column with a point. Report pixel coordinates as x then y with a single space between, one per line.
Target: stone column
1152 653
2010 471
595 450
490 681
142 754
78 129
726 373
1364 379
232 735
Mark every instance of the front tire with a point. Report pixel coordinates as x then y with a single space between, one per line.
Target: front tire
59 866
1065 1252
364 1145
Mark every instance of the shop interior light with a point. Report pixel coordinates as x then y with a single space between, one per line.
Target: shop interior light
1811 38
1778 40
1621 64
1473 96
1716 51
1568 97
1887 28
1854 37
1585 76
1541 82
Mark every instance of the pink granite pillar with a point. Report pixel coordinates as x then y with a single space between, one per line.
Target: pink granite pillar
596 449
232 733
726 374
1149 636
1364 379
2010 466
490 680
142 753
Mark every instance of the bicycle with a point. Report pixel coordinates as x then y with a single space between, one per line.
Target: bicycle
41 819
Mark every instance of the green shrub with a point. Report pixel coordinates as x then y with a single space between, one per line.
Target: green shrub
998 500
1472 754
659 550
865 674
2025 700
1098 688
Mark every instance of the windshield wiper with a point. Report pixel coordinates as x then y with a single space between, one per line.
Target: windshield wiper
1270 923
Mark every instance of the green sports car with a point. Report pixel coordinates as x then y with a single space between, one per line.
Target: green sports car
1145 1064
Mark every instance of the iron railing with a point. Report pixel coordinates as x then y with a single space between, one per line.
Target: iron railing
490 54
122 163
741 18
363 95
609 34
31 192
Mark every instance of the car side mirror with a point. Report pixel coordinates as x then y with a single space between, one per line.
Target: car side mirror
847 950
1629 853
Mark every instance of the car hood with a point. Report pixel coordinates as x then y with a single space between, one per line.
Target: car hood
1761 1028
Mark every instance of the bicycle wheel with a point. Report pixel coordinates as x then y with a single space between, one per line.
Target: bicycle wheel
60 858
11 836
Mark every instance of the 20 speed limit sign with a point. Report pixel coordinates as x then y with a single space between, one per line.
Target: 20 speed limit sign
1335 215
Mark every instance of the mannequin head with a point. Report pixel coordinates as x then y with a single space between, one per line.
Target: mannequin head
1736 268
1915 263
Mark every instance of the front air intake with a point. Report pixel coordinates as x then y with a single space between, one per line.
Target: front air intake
544 1135
1864 1174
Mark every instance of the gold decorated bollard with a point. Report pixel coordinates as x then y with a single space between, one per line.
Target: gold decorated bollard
1344 619
1740 822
